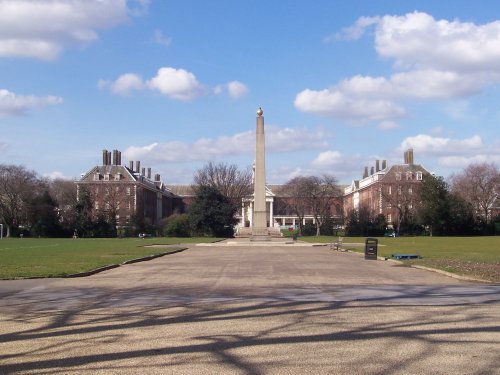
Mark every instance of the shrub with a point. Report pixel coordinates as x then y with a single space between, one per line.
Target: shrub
177 226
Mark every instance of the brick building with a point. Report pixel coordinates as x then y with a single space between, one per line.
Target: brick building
125 192
387 190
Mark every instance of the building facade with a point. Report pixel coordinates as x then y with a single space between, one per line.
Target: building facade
126 192
387 190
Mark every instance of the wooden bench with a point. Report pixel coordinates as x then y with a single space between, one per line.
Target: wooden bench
406 256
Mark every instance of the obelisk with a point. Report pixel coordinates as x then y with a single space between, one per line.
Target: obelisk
259 228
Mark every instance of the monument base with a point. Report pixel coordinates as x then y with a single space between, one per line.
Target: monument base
260 235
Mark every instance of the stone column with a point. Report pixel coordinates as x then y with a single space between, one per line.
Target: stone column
259 227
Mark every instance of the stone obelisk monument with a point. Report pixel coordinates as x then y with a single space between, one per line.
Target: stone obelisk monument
259 228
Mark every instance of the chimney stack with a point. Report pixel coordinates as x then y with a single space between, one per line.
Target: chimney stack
119 158
157 177
384 164
115 157
137 166
372 170
131 165
365 173
410 156
143 173
104 157
149 173
377 165
108 161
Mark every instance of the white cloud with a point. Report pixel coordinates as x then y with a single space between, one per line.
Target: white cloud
426 144
436 59
176 83
327 159
355 31
417 39
56 175
14 105
4 146
336 103
162 39
41 29
235 89
204 149
124 84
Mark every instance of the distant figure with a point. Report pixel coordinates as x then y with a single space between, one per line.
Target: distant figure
75 234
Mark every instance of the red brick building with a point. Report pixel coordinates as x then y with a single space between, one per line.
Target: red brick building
125 192
387 190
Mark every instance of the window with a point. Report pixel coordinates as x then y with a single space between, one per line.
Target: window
128 190
389 218
389 205
96 205
107 206
398 176
389 190
410 191
96 176
409 175
117 205
419 176
117 189
118 177
128 205
399 190
106 177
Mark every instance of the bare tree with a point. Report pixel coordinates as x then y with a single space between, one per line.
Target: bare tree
313 195
478 184
17 188
64 193
227 179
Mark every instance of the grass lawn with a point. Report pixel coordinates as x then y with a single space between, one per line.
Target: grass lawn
472 256
54 257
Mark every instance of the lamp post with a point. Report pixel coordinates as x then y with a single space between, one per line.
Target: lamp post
1 231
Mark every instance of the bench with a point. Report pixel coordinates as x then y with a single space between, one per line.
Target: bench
406 256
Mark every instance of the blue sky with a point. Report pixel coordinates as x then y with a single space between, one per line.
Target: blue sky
177 83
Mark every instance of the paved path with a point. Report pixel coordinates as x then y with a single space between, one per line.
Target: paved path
251 310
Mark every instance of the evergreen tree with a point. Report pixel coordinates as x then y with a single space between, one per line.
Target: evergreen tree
211 213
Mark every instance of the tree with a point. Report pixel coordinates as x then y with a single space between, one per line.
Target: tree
479 185
43 216
434 208
312 195
177 225
18 186
211 213
64 194
231 182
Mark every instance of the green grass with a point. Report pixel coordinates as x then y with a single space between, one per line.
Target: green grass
472 256
34 257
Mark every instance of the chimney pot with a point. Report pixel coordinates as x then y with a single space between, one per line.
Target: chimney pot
143 172
372 170
131 165
377 165
384 164
138 166
149 173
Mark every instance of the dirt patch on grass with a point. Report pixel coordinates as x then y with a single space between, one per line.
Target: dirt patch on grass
479 270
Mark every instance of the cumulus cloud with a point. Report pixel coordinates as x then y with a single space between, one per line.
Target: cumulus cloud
435 59
41 29
176 83
56 175
204 149
14 105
